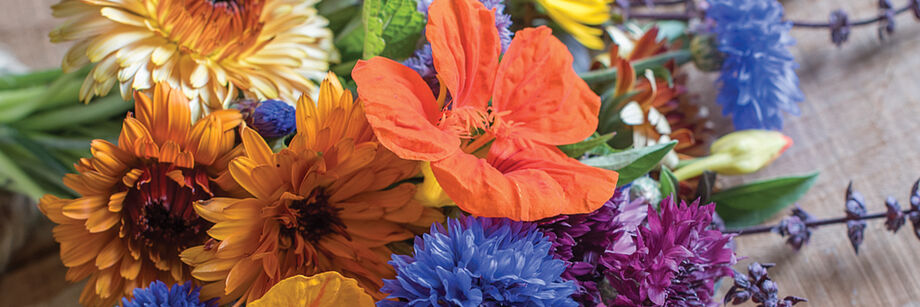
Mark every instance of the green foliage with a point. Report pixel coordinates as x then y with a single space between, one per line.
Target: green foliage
579 149
668 183
755 202
44 129
391 28
633 163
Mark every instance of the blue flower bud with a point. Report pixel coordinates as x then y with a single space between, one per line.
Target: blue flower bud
274 119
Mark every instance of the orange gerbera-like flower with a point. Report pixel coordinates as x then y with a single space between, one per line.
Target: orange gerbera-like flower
537 102
135 215
331 201
207 48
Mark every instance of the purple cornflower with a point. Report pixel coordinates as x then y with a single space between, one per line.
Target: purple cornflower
677 261
581 240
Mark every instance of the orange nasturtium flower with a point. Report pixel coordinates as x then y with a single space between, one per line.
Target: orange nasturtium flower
135 212
331 201
493 159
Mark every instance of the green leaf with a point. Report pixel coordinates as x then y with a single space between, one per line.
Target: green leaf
339 12
633 163
755 202
661 72
391 29
402 29
372 18
350 41
670 29
579 149
667 182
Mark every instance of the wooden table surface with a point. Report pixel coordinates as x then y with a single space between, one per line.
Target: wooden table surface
860 122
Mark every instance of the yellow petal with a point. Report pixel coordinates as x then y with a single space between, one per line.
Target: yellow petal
320 290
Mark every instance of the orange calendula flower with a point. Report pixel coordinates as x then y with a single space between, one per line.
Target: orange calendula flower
331 201
327 289
135 215
493 159
207 48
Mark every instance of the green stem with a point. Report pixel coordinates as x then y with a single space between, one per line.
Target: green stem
21 180
698 166
79 114
610 74
28 79
62 92
13 98
58 142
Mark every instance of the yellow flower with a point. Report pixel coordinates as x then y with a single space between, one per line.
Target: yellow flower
135 214
331 201
429 192
208 49
577 17
739 152
327 289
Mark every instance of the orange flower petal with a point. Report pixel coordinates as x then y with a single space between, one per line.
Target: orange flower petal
586 188
541 92
205 137
255 146
402 110
465 47
480 189
166 116
523 183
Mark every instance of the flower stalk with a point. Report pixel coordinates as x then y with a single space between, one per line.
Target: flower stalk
814 223
610 74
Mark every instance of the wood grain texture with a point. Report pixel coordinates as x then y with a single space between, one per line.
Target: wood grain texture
860 122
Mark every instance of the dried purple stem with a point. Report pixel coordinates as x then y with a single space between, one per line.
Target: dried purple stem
797 227
868 21
816 223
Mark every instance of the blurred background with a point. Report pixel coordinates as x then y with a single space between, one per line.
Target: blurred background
860 122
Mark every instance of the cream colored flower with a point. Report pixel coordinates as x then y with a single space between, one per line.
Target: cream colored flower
208 49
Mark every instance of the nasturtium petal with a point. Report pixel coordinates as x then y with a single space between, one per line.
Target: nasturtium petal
537 89
466 48
402 110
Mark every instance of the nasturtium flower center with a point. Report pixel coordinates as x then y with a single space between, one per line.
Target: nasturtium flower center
160 207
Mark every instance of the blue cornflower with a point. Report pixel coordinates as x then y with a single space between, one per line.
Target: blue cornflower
159 295
479 262
274 119
422 61
758 77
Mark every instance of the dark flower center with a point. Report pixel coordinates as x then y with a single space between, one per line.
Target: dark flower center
316 218
161 210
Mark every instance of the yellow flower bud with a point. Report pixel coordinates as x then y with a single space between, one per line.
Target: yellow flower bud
429 192
739 152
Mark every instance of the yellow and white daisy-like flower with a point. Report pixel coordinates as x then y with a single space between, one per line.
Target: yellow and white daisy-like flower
208 49
578 17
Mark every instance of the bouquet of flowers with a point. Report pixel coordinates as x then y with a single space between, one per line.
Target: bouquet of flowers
415 152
